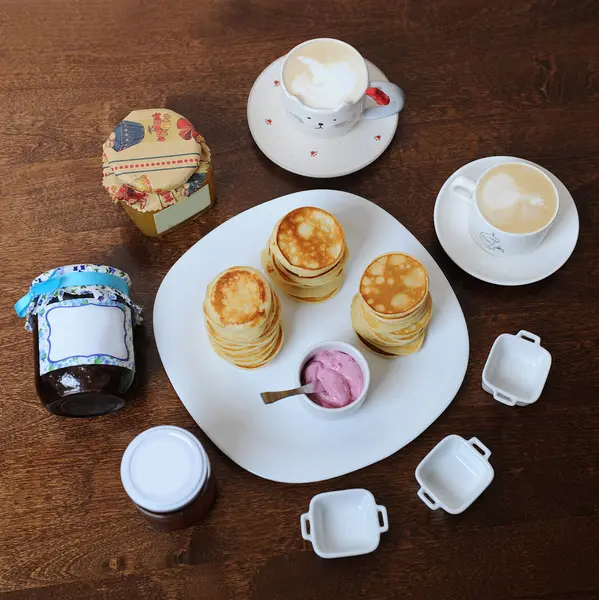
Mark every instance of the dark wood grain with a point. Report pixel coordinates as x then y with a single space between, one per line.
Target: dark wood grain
482 78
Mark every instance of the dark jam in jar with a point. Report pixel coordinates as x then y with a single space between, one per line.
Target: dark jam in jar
187 516
82 390
82 320
166 473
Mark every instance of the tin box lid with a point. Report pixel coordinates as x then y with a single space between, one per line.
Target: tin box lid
164 468
153 159
153 149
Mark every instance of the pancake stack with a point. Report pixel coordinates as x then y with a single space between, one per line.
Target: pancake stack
392 310
243 318
306 254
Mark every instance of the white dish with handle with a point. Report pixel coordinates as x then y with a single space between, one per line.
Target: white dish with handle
517 369
454 474
344 523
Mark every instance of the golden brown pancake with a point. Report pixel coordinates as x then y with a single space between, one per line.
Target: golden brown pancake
253 359
402 351
267 359
310 239
398 327
393 308
278 270
306 255
243 317
374 348
232 339
238 297
297 291
394 284
315 300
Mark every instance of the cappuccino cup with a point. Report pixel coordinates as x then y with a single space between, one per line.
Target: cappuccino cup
513 206
325 85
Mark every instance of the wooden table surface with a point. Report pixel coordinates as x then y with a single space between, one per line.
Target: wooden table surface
481 78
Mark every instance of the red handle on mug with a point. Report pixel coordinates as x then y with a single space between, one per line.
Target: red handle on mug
378 96
388 96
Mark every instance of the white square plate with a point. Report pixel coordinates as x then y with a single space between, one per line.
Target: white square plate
283 441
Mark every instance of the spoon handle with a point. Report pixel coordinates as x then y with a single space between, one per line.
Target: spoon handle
270 397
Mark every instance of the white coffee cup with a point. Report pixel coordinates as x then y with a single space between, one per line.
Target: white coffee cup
332 122
490 238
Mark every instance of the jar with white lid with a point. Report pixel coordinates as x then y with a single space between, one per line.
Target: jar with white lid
166 473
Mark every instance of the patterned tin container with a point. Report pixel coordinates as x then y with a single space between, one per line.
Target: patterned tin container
158 167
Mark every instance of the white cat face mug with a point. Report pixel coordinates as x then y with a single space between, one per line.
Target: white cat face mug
325 84
513 206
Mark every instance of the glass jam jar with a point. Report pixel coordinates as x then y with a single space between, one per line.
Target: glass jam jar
166 473
158 167
82 319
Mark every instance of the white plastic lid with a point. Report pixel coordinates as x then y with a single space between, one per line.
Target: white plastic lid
164 468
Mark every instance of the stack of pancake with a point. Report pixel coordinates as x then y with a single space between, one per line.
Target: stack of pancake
306 254
392 310
243 318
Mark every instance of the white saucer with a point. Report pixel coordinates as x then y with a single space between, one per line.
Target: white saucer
451 225
276 135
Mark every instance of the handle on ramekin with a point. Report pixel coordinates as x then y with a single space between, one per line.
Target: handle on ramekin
504 398
428 499
463 187
304 520
389 96
476 443
529 337
383 512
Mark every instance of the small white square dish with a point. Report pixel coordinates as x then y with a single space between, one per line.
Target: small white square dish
344 523
454 474
517 368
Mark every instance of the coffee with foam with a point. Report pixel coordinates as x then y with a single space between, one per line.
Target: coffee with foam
324 74
516 198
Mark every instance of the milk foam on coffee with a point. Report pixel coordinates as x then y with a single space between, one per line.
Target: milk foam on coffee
325 74
516 198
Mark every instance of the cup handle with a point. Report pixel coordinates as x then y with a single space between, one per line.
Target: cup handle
476 443
503 398
428 499
463 188
383 512
389 96
529 337
304 520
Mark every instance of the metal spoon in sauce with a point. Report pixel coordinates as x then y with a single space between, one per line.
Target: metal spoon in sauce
270 397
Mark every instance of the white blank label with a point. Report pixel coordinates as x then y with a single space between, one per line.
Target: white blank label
86 330
170 217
